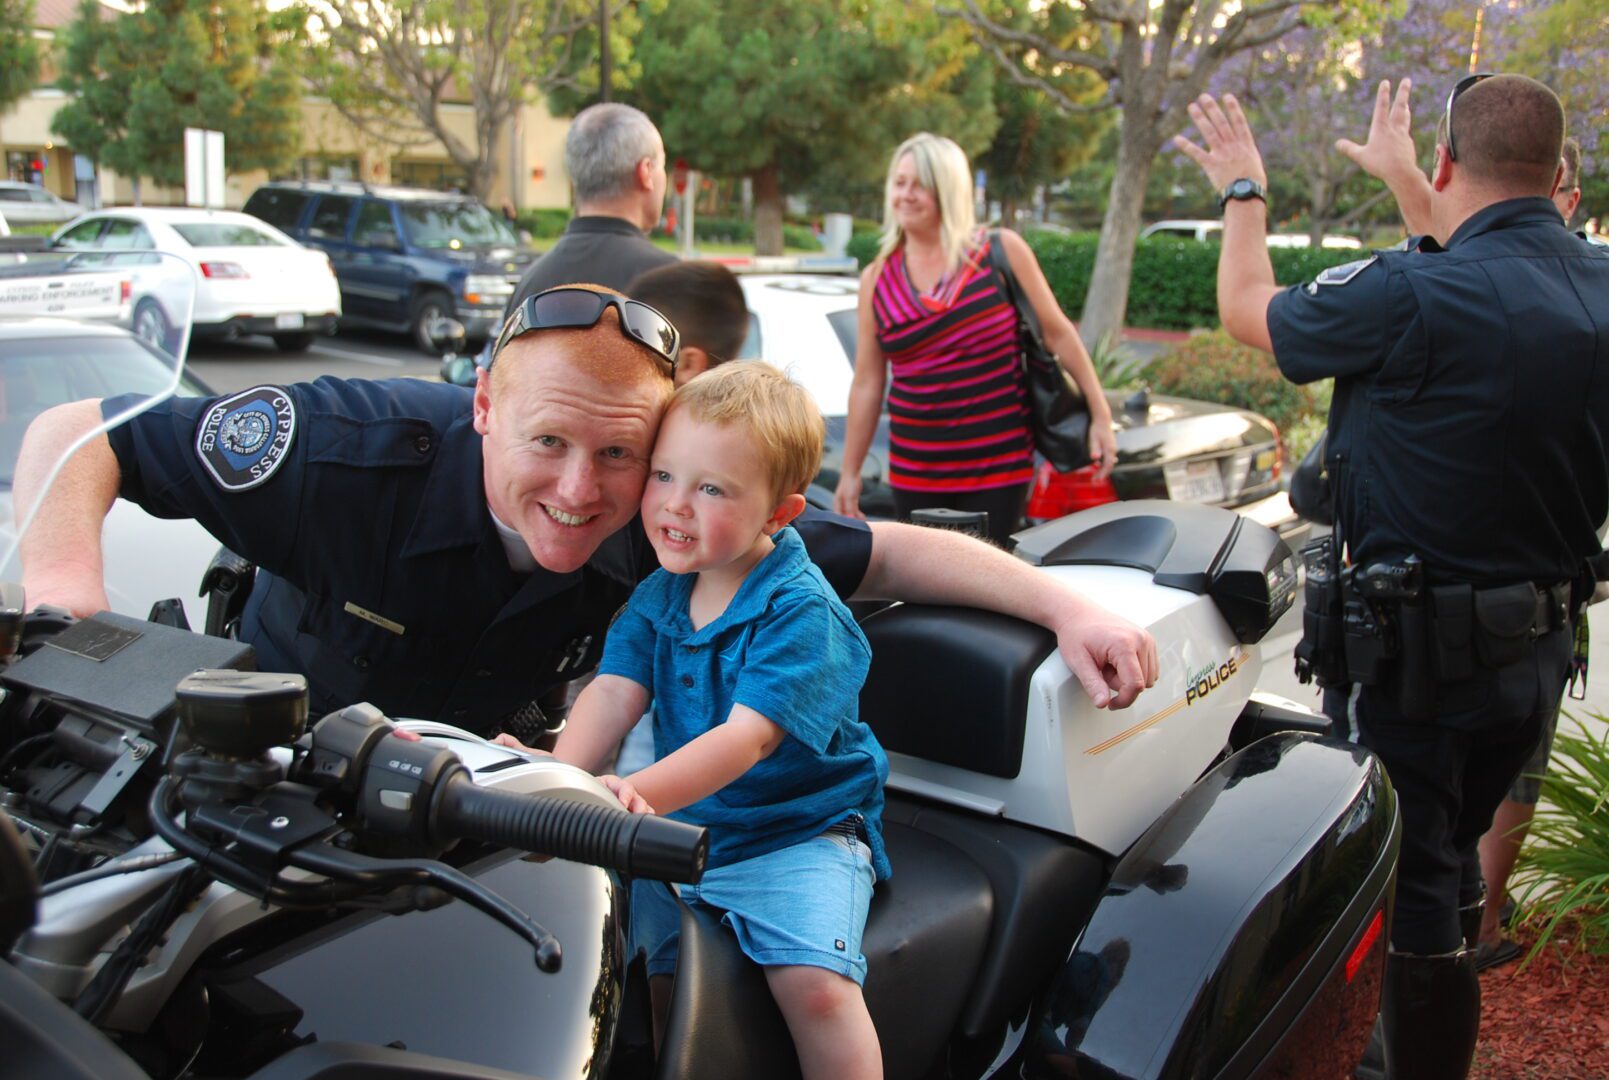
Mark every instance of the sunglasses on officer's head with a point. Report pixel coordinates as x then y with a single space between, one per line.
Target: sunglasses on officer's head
1458 88
570 308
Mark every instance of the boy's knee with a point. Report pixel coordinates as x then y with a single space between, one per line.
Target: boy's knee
812 991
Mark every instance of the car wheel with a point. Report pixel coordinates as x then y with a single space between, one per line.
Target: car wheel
427 308
151 325
293 343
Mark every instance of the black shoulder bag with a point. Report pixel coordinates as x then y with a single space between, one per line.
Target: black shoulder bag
1058 415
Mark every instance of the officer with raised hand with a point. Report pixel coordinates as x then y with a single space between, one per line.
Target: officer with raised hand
1469 446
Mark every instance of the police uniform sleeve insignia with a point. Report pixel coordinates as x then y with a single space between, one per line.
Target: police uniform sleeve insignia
1340 275
244 439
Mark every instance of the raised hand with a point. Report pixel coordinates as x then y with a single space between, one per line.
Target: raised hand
1231 151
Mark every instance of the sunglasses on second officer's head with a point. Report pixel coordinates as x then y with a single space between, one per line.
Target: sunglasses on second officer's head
1458 88
570 308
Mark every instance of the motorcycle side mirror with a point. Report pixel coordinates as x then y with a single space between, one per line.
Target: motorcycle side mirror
448 335
458 370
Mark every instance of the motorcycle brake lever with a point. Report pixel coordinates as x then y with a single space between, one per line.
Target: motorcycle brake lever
351 866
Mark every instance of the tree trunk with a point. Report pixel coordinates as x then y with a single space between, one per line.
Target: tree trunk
1008 212
767 212
1108 297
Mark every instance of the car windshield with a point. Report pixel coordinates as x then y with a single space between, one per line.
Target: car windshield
40 372
454 225
225 234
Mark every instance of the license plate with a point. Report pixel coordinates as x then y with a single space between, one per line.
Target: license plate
1196 481
1265 461
292 321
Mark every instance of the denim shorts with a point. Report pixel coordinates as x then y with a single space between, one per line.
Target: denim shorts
803 905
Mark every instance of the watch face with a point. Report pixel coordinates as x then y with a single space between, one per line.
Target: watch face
1240 189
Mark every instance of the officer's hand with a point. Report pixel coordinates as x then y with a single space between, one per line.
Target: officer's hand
1231 151
1389 154
1110 656
505 739
79 596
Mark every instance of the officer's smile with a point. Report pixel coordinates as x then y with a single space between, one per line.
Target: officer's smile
570 520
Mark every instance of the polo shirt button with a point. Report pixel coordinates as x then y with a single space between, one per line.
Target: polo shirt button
459 714
687 681
422 444
484 673
360 661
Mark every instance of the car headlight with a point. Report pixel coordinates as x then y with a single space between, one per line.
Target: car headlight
487 289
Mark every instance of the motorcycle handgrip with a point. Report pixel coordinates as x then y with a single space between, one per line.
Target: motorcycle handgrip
638 845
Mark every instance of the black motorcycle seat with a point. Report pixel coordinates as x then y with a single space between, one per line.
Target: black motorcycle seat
924 940
979 913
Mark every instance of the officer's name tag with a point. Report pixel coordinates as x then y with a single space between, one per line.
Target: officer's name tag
244 439
379 620
1340 275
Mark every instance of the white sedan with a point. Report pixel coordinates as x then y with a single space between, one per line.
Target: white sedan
49 361
34 205
250 277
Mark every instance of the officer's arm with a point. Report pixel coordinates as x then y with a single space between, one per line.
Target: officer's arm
1112 658
1245 274
61 552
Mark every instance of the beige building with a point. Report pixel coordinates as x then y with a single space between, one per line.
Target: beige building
530 156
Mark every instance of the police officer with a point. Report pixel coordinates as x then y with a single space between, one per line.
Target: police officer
453 555
1468 444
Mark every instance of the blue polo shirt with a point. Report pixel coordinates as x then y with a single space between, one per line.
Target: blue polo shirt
788 649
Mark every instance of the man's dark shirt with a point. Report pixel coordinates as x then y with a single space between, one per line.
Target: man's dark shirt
384 578
595 249
1471 407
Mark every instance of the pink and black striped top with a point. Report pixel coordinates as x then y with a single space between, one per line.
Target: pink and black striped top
957 404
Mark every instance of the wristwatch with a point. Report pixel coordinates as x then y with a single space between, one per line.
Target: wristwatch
1244 188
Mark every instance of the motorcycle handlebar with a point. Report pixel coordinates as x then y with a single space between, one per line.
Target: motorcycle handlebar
638 845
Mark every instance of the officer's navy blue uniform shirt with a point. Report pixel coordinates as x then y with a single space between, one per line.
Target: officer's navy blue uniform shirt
384 578
1471 405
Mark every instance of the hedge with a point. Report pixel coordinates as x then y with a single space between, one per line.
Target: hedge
544 223
714 230
1174 285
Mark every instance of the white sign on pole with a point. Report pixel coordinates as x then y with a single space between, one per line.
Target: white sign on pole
203 168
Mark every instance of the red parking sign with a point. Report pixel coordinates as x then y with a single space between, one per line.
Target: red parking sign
678 175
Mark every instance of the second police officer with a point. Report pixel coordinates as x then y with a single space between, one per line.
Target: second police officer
1469 446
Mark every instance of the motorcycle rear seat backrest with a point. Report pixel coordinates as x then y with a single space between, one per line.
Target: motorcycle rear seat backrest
950 685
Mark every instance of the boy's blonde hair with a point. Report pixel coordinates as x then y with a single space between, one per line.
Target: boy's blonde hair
787 427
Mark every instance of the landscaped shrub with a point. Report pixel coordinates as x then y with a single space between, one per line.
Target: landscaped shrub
1216 367
863 246
544 223
1563 869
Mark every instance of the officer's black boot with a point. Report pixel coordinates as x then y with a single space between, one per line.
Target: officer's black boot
1430 1013
1373 1064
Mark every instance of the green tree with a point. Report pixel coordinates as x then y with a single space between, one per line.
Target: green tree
1155 57
396 68
139 80
1037 143
19 52
792 95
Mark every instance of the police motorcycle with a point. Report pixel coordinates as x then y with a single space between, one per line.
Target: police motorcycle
201 880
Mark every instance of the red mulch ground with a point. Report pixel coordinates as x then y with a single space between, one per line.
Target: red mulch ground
1548 1021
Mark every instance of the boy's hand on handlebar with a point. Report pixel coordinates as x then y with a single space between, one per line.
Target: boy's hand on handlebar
1110 656
626 794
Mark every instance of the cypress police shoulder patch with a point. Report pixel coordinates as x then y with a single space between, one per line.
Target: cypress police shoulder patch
244 439
1340 275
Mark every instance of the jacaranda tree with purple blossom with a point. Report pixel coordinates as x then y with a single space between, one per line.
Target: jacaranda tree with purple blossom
1155 57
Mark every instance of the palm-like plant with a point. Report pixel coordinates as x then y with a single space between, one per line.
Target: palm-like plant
1564 865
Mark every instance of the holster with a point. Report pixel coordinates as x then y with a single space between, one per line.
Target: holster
1321 654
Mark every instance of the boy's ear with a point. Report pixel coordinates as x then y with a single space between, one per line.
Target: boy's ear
789 508
691 361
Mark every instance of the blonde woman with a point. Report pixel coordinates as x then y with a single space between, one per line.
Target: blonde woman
934 315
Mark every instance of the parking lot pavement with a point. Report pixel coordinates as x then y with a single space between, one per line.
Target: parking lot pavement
228 366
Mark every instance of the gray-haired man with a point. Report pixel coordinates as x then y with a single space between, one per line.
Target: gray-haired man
616 162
